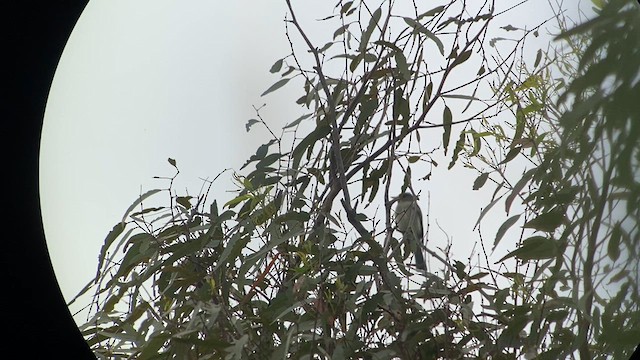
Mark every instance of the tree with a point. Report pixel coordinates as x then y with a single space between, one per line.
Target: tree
581 191
304 261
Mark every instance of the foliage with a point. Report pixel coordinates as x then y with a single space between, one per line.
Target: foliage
581 189
303 262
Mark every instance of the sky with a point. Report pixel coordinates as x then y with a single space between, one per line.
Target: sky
143 81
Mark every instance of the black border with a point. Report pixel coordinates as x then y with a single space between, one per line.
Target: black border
39 325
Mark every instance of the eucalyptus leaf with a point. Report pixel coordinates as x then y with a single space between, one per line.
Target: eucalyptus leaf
280 83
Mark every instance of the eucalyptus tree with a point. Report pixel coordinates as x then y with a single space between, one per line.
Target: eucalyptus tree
305 262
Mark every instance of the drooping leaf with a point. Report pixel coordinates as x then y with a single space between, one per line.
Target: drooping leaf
321 131
613 247
403 68
368 106
355 61
400 107
457 149
485 211
517 188
477 142
427 93
520 123
373 22
447 120
504 227
538 58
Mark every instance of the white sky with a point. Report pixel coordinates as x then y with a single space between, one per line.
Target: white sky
142 81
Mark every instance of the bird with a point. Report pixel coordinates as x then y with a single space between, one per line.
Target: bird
408 217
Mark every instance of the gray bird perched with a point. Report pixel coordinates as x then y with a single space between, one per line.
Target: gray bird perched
409 223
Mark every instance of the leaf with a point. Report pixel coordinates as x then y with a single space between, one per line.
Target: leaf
461 58
413 159
401 107
388 44
458 148
517 188
268 160
460 96
447 120
340 30
477 143
297 121
115 232
520 122
321 131
480 181
280 83
355 62
504 227
613 247
324 48
373 22
346 7
511 335
249 123
427 93
172 162
184 201
436 10
511 155
153 345
235 201
460 270
417 26
534 248
548 221
523 143
139 201
485 211
509 28
538 58
276 66
403 68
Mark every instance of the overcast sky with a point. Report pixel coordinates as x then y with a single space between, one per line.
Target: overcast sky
141 81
